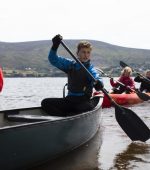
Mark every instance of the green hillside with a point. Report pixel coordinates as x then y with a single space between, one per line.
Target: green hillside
33 56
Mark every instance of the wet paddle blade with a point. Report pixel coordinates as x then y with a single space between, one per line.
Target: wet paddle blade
142 96
132 125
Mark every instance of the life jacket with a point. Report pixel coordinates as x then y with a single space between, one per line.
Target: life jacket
1 79
127 81
78 80
145 86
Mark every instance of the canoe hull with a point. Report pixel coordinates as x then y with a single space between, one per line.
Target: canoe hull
26 145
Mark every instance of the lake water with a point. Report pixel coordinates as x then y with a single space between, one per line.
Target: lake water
110 149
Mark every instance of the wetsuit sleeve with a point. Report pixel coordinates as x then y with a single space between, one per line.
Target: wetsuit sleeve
95 74
59 62
1 80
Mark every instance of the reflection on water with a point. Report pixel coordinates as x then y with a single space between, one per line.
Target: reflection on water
118 152
134 154
111 149
83 158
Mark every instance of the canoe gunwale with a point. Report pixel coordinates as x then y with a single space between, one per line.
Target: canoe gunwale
40 123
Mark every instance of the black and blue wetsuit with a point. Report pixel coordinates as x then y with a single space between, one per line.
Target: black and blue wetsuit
145 84
80 87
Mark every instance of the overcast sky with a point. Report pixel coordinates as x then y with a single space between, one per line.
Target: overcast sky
120 22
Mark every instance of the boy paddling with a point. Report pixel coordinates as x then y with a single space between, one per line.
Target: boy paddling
80 85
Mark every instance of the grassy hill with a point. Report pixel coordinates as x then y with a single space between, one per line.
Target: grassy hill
23 55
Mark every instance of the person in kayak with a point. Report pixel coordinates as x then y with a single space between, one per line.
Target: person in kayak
1 80
80 85
125 79
145 84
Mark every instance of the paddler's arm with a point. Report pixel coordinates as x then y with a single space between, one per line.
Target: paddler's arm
113 84
98 85
138 79
57 61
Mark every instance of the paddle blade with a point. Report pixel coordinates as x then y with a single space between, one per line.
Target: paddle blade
132 125
122 64
142 96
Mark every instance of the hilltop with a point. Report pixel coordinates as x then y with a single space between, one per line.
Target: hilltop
31 57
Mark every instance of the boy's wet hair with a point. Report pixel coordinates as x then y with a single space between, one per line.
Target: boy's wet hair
84 44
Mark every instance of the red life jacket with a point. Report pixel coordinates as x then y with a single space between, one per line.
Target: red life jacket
1 80
127 81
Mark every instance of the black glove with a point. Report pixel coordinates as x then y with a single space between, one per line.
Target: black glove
111 79
98 85
56 42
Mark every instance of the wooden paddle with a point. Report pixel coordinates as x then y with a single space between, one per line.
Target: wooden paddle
132 125
141 95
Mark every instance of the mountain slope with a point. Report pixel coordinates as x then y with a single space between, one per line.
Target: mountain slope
34 55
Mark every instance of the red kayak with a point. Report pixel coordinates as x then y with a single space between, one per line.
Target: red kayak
1 79
121 99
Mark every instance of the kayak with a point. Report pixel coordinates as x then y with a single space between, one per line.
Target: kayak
122 99
30 136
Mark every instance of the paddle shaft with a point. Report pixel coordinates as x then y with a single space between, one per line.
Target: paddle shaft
78 61
115 80
92 77
143 77
125 117
141 95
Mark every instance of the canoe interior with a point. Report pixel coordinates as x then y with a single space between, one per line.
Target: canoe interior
5 122
24 116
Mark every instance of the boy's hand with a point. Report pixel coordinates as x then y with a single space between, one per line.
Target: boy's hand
56 42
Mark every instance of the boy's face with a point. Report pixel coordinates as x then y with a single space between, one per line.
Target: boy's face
84 54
